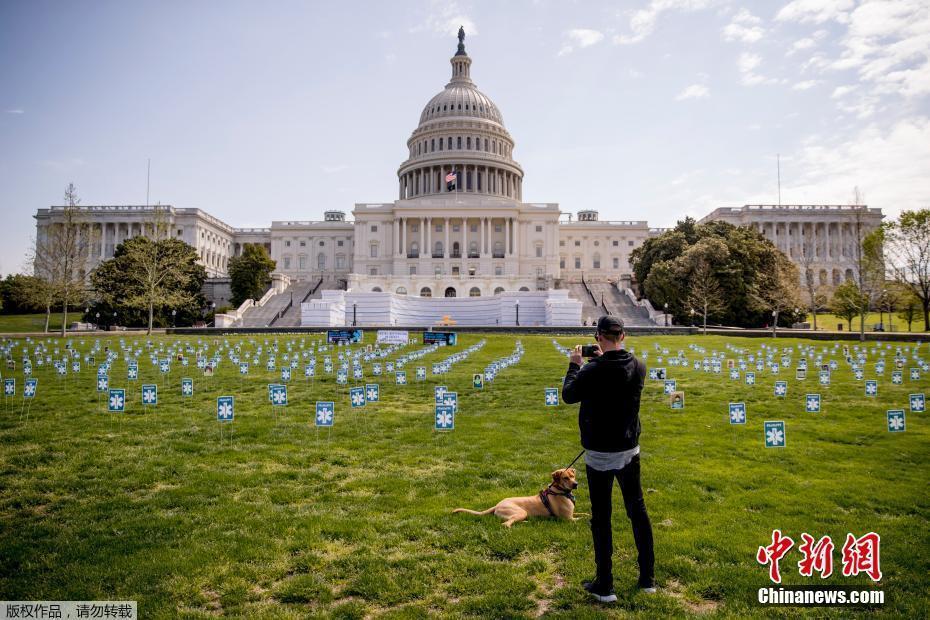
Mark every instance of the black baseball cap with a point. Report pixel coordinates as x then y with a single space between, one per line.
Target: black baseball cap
610 324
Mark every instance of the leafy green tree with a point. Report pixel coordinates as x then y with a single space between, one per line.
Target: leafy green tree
847 301
250 274
907 255
16 294
146 280
909 308
737 266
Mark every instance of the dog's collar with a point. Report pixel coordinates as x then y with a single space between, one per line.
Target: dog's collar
545 493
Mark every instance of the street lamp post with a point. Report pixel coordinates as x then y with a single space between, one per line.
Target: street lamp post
174 313
97 323
353 314
666 313
692 317
774 323
881 308
517 306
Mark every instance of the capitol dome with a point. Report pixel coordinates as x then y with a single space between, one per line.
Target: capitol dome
461 131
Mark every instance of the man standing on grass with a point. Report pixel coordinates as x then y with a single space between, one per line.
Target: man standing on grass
609 388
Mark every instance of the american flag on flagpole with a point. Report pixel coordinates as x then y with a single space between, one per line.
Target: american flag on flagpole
451 181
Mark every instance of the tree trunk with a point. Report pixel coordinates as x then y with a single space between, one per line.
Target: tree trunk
151 312
48 316
926 303
861 327
64 318
815 318
705 321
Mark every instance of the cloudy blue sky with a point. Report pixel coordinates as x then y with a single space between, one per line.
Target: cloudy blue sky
645 109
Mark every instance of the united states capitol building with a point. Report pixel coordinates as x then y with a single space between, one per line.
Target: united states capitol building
458 241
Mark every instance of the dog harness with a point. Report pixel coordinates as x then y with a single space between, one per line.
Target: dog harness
545 493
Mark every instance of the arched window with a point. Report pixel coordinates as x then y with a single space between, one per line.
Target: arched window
449 146
524 289
836 277
468 142
499 290
321 261
498 249
849 275
450 292
401 290
376 289
823 276
458 143
474 292
472 248
456 250
426 292
414 249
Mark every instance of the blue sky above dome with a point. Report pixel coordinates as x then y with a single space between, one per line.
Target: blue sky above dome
654 109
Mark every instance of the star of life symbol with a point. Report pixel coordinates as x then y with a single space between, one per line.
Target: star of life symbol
225 410
813 403
102 383
737 413
917 402
552 397
371 393
148 396
187 388
358 398
444 419
896 420
324 415
781 389
279 397
116 401
30 389
871 388
133 372
775 436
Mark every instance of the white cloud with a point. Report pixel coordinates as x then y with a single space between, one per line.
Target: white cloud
890 166
445 18
695 91
805 85
581 37
816 11
840 91
744 26
747 63
16 111
643 21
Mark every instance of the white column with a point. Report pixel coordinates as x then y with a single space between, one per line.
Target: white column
481 222
422 234
429 236
447 249
508 247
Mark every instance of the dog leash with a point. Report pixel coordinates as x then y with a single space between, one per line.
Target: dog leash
576 458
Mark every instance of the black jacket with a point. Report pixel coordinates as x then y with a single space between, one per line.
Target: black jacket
608 388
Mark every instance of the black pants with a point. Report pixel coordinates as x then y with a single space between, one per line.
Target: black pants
600 485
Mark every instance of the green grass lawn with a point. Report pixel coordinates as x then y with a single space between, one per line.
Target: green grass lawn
23 323
283 521
892 323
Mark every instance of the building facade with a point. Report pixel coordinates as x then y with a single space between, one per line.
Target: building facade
459 226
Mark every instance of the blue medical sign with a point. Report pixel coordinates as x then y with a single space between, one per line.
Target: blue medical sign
445 418
224 408
325 413
116 401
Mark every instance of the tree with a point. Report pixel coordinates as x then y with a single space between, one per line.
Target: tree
909 307
17 294
250 273
847 301
907 250
60 257
807 259
146 278
775 289
663 278
696 267
868 259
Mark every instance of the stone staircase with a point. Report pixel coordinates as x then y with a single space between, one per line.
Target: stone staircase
590 310
619 303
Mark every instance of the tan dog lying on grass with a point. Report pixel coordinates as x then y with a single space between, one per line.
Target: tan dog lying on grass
556 500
